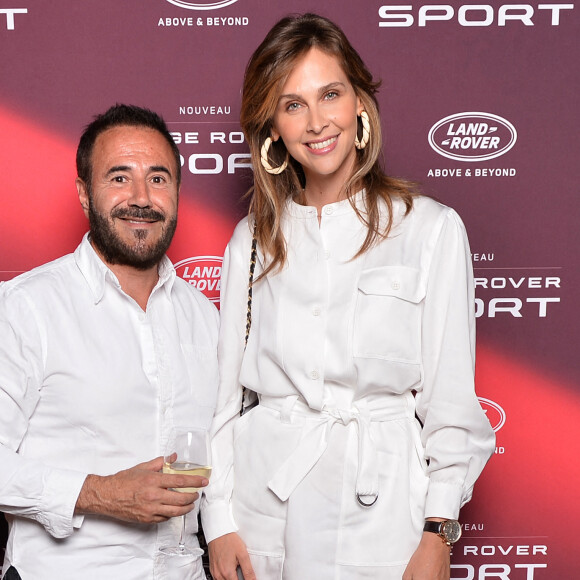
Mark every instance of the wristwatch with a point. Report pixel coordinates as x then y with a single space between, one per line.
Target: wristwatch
449 530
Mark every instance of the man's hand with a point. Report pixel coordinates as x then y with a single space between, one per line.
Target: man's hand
139 494
226 553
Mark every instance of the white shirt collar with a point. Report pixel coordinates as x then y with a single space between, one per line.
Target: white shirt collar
337 208
97 273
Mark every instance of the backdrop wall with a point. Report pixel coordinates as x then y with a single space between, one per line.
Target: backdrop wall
479 104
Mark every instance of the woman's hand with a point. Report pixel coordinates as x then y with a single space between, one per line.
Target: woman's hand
226 553
430 561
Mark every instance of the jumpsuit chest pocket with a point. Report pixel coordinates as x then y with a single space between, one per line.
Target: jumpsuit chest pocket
387 319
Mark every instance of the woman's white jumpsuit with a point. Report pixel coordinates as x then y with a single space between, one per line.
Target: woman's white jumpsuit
347 356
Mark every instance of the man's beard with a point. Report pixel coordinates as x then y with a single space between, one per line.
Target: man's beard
138 255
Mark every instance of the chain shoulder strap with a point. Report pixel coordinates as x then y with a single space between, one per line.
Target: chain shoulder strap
253 257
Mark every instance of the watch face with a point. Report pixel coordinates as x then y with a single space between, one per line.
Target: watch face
451 530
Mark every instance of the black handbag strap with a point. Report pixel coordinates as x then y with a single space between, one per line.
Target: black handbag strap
253 257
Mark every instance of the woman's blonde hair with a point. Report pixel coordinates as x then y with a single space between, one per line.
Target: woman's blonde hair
266 73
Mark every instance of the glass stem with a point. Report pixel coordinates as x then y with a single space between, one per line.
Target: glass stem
182 535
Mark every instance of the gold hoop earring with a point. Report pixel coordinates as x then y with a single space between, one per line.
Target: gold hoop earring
364 117
264 159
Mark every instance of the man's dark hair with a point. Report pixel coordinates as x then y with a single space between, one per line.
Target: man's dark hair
118 116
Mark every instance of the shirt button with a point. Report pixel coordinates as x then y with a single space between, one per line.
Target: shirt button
314 375
316 311
396 285
328 210
327 254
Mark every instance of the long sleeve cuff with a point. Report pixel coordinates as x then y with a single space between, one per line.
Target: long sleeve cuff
444 500
61 489
217 519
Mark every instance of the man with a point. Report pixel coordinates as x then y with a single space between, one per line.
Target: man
102 353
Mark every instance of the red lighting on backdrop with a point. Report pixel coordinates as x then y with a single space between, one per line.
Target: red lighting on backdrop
531 482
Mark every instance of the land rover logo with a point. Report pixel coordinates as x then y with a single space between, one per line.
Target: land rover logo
472 136
202 272
494 413
202 5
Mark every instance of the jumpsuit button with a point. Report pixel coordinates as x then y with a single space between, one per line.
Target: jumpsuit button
395 285
328 210
316 311
314 375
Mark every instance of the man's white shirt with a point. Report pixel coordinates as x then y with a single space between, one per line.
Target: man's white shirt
91 383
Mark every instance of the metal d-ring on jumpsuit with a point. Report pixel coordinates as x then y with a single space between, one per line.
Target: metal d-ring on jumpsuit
368 421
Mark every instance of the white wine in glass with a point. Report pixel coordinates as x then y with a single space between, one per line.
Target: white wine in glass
188 452
187 468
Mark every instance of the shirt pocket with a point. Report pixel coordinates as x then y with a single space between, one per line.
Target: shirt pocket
265 565
387 323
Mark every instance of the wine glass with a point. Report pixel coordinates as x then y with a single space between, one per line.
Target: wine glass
188 452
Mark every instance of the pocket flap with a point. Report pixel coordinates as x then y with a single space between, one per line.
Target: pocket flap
398 281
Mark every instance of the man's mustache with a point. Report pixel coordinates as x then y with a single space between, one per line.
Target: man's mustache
138 213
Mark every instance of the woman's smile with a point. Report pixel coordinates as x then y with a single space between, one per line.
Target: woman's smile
323 146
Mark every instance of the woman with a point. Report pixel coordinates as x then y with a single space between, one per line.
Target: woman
361 320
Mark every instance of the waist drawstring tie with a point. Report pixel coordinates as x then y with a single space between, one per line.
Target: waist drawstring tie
315 441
